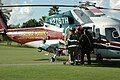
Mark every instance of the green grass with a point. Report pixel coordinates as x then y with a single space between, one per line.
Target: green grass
21 63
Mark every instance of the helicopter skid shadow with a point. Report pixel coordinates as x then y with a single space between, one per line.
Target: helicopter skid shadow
106 63
41 60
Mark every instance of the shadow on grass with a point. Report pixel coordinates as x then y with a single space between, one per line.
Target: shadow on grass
15 45
46 59
105 63
42 60
61 59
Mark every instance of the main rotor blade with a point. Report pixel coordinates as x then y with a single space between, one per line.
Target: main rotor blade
38 5
108 8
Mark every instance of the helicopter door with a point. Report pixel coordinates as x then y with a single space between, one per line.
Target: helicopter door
109 33
97 34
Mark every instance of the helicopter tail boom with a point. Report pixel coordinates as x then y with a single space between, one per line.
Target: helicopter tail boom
3 23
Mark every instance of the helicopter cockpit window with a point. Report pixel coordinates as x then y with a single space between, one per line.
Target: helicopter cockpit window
115 34
81 16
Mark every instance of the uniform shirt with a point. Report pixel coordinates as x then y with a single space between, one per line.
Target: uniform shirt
73 40
85 42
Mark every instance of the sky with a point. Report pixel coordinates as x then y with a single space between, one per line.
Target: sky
20 15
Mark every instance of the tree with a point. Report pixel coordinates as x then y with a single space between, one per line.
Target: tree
42 20
53 10
12 26
30 23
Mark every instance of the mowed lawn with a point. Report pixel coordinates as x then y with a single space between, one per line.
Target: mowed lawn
21 63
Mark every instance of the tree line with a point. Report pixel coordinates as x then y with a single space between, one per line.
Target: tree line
34 22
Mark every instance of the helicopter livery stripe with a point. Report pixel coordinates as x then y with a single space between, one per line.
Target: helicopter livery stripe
107 45
29 35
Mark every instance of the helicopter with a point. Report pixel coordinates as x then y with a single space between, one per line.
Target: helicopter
49 36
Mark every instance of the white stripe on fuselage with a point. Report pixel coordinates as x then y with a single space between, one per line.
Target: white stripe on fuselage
39 43
52 27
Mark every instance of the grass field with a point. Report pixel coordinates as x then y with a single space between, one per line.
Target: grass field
21 63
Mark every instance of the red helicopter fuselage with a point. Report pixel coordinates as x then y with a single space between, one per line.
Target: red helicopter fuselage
24 35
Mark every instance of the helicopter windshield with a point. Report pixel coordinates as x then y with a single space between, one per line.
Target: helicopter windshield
81 17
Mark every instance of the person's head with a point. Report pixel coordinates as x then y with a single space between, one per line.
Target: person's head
72 30
78 29
88 31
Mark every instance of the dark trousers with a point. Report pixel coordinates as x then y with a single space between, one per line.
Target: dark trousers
83 52
73 53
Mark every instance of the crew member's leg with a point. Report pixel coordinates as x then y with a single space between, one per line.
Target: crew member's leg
71 58
82 56
88 57
76 59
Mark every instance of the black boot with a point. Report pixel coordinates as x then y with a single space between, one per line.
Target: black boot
52 59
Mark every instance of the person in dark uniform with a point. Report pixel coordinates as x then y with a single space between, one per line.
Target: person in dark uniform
90 36
85 47
78 33
72 44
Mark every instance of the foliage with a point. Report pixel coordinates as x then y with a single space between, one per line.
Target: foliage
3 37
35 23
14 26
30 23
53 10
42 20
